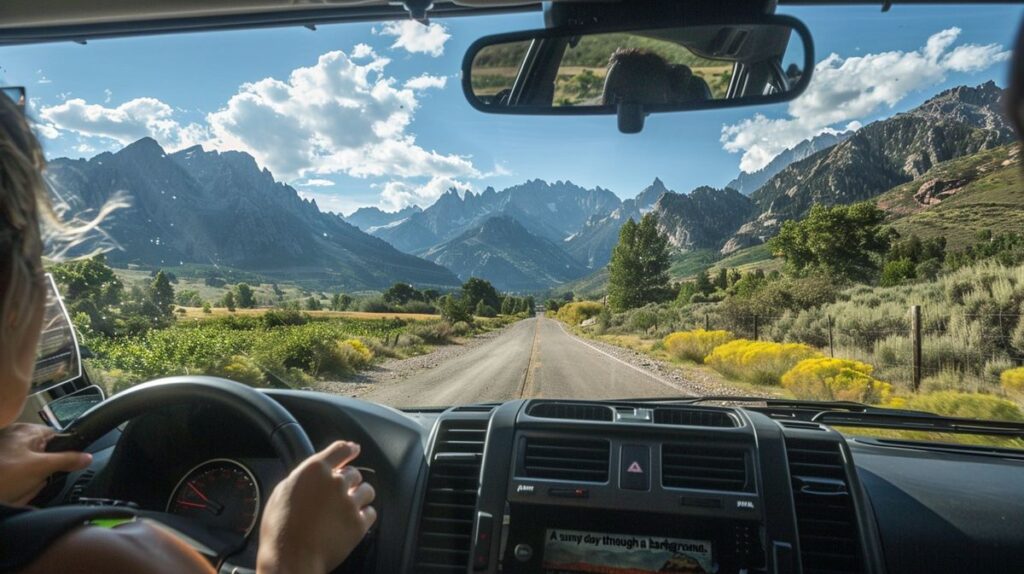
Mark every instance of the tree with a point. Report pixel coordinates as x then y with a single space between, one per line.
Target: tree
402 293
278 293
431 295
844 241
484 310
703 283
188 298
638 272
229 301
454 309
245 298
313 304
507 306
686 291
552 305
90 287
206 307
340 302
161 295
475 290
722 279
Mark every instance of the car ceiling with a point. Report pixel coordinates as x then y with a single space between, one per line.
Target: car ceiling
25 21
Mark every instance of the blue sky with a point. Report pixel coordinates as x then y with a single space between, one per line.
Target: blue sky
392 141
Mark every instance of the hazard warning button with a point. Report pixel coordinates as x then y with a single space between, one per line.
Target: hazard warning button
635 467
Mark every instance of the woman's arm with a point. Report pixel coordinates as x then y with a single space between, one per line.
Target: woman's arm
25 464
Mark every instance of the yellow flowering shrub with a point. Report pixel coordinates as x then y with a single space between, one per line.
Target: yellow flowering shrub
1012 381
825 379
695 345
575 313
966 405
758 362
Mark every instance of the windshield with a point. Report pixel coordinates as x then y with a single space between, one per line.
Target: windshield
322 209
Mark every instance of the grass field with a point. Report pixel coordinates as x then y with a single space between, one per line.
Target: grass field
197 313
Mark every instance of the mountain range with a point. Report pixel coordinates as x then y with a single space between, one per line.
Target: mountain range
220 209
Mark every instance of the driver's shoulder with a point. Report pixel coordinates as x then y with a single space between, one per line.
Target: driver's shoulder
133 547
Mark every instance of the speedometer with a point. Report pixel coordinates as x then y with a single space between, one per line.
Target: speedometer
220 493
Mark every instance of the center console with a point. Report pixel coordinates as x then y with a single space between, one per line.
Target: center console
587 488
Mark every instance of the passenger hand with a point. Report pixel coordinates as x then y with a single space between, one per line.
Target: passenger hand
25 464
317 515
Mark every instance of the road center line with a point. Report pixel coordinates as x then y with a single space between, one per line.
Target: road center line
526 390
665 382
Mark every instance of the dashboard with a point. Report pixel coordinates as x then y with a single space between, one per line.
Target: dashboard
567 487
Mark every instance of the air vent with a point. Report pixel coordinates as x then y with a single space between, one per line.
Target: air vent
802 425
446 526
693 417
580 460
77 489
481 408
826 522
576 411
704 467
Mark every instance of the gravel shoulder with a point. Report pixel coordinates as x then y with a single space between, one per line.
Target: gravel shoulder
696 379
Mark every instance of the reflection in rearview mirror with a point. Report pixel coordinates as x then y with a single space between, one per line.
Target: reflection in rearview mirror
643 71
61 412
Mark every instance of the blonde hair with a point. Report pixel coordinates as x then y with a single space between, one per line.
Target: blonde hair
28 224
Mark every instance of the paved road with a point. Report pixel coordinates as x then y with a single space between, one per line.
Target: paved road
532 358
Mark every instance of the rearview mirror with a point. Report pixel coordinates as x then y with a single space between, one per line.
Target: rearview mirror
634 72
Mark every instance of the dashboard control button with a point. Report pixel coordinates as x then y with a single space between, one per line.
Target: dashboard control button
482 548
523 552
560 492
635 467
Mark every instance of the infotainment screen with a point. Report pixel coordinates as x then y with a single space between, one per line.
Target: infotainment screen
576 551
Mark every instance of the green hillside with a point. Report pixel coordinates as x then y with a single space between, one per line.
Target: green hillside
988 195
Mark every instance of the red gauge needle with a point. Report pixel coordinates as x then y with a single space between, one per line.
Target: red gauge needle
192 504
214 507
197 491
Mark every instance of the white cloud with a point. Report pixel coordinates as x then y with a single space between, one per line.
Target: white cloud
844 91
125 123
417 38
426 81
107 94
316 183
337 116
400 194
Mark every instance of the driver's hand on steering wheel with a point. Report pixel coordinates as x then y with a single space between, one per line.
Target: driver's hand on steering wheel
317 515
25 464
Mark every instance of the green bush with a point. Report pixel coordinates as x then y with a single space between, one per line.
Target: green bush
434 333
239 368
966 405
826 379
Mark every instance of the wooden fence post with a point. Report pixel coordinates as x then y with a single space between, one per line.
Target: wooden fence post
915 341
707 322
831 346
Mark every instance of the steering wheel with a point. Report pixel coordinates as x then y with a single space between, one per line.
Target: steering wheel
266 416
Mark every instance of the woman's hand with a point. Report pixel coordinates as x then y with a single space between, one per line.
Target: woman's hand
317 515
25 464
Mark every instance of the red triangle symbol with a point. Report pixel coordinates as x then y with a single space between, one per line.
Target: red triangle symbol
635 468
